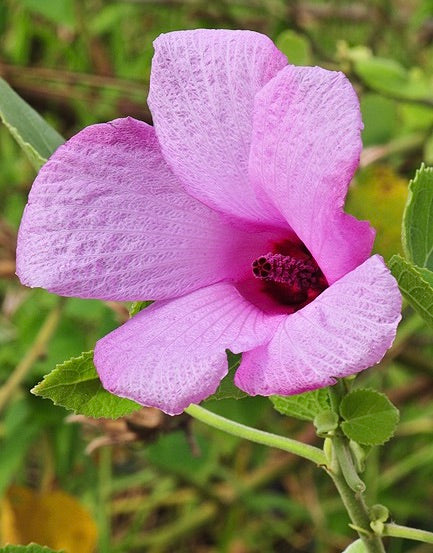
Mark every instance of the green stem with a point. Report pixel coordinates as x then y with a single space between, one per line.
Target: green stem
345 461
343 472
357 510
336 393
397 531
309 452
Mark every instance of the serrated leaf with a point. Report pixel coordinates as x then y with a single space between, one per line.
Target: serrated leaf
31 548
75 385
356 547
426 275
418 219
369 417
35 136
227 388
416 285
302 406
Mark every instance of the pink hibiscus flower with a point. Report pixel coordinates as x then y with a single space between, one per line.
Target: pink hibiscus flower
229 213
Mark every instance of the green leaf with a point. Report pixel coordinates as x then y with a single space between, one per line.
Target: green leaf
31 548
325 422
379 115
428 150
378 512
379 196
295 46
75 385
20 427
416 285
227 388
35 136
138 306
418 219
61 13
369 417
356 547
414 117
304 406
426 275
389 77
172 452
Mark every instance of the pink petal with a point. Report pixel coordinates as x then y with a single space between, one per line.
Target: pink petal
346 329
172 354
305 149
107 219
202 90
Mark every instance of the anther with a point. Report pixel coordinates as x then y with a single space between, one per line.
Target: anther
285 269
291 277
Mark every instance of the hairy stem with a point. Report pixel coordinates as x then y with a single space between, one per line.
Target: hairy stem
343 472
309 452
346 464
358 513
397 531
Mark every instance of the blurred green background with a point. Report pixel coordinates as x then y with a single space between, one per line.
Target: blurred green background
149 482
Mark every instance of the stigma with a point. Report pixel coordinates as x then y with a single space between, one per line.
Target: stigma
294 280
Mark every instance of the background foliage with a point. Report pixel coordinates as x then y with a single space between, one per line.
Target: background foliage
148 482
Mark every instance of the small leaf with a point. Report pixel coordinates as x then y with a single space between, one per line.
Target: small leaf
227 388
35 136
31 548
54 518
75 385
356 547
325 422
369 417
359 454
295 46
378 512
415 284
302 406
418 219
138 306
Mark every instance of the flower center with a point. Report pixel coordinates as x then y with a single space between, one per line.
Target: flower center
293 277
